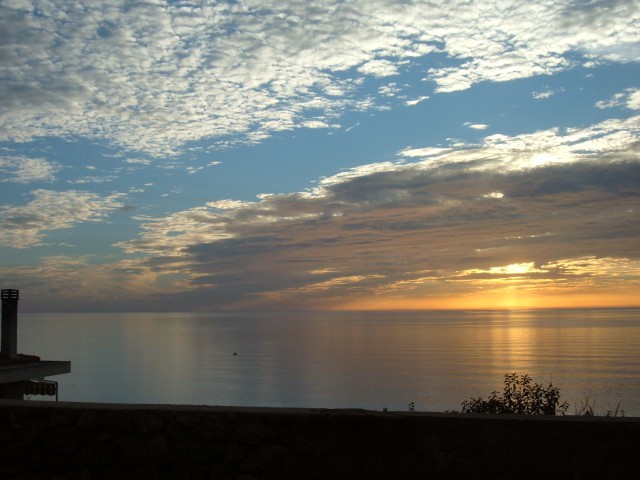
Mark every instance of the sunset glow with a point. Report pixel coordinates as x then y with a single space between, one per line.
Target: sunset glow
496 302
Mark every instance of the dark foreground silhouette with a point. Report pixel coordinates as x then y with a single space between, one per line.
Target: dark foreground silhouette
42 440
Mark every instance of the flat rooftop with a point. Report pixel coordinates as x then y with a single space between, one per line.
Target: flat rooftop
28 368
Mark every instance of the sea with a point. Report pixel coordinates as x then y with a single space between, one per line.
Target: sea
400 360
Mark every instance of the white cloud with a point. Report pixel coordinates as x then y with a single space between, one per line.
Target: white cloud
416 101
477 126
318 124
630 99
543 94
494 195
192 170
26 226
154 76
516 269
22 169
137 161
379 68
633 102
511 41
390 90
560 147
423 152
546 147
94 179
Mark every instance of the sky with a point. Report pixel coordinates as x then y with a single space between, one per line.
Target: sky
364 154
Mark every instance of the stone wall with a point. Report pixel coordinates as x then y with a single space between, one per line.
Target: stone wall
46 440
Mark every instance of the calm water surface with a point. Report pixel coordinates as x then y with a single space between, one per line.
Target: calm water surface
334 360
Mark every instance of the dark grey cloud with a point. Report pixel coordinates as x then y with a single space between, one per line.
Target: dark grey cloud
432 227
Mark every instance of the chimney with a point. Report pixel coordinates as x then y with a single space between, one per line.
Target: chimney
10 323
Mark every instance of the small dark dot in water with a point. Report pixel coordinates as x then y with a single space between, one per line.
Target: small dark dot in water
235 353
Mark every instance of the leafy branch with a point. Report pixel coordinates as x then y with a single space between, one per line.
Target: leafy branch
520 396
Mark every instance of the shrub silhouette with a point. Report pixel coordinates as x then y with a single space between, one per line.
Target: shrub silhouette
521 396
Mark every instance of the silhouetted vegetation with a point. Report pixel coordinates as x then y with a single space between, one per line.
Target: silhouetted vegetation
520 395
587 410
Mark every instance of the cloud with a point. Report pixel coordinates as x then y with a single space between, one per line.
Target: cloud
633 101
192 170
137 161
423 152
66 283
477 126
630 99
94 179
379 68
515 269
511 41
153 77
460 221
493 195
545 93
416 101
390 90
26 226
20 169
